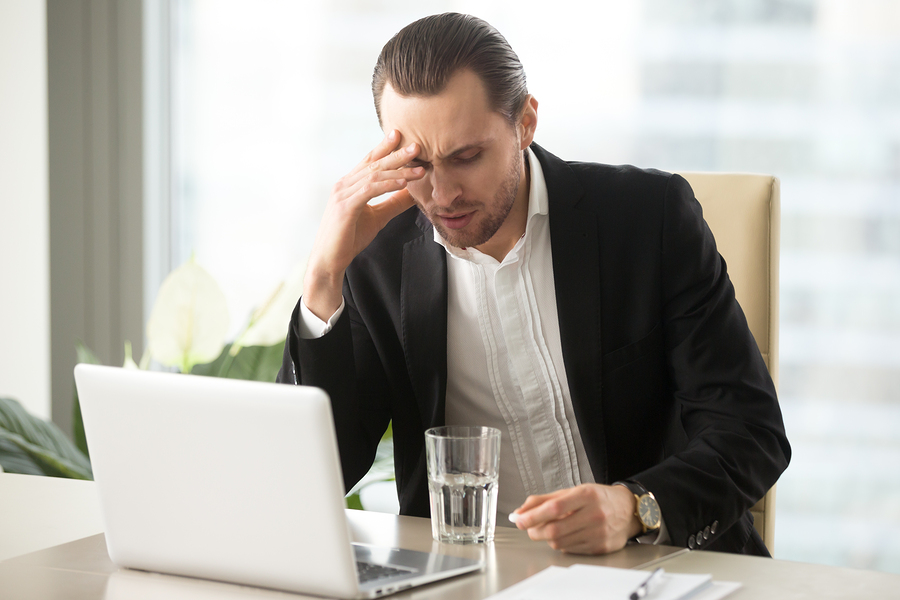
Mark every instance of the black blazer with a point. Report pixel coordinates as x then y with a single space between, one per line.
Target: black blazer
667 383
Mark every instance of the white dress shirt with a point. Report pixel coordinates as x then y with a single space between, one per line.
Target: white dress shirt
504 361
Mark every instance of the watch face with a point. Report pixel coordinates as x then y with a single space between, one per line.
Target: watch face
648 511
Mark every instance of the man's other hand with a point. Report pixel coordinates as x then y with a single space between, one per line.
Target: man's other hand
586 519
350 223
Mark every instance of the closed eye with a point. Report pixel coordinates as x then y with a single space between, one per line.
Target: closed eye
466 159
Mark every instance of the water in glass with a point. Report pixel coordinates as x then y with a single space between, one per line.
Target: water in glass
463 507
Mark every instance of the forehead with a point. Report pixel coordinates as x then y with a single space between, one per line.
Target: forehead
459 115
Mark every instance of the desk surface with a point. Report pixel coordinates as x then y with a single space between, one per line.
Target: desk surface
769 579
81 569
85 565
39 512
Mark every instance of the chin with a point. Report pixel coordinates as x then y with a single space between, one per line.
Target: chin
457 238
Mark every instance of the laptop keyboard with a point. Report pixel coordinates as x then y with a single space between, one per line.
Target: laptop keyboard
370 572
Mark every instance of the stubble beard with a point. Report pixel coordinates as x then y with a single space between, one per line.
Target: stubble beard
491 222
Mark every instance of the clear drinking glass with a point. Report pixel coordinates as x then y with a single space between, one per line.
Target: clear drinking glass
463 468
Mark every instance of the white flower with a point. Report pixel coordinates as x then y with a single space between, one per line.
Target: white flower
189 320
129 359
269 323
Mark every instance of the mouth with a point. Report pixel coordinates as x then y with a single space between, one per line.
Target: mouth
457 221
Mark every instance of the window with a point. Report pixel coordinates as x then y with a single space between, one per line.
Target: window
271 106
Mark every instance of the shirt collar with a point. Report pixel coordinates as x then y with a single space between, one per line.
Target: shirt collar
537 205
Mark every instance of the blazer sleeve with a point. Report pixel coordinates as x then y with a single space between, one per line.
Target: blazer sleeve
342 362
736 445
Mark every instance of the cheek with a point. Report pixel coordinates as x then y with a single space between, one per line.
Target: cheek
487 178
419 189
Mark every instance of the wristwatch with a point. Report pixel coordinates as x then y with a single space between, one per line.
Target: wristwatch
646 508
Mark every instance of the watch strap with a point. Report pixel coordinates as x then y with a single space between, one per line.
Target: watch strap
638 491
636 488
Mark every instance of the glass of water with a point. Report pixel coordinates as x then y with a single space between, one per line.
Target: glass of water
463 468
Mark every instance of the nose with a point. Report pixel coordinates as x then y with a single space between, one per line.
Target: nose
444 188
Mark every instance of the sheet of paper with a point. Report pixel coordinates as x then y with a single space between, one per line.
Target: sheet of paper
588 582
542 578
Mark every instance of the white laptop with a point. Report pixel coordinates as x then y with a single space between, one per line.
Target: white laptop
236 481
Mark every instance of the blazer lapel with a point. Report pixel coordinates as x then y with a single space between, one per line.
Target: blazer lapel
574 240
423 318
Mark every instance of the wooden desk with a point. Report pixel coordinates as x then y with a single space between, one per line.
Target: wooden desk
81 570
40 512
768 579
84 566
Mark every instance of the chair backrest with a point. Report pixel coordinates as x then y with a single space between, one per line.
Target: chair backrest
744 213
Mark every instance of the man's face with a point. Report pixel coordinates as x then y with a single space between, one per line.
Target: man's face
472 156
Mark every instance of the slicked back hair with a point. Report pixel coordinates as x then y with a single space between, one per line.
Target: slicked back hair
422 57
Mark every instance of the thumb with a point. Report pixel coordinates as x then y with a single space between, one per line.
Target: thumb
388 209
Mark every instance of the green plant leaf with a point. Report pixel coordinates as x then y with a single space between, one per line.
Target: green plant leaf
85 355
256 363
382 468
352 501
14 460
38 445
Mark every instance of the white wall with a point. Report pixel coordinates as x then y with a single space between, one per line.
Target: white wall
24 238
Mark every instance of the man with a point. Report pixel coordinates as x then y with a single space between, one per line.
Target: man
581 308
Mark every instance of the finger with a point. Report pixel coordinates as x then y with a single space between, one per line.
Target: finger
517 516
407 173
581 519
579 542
387 145
537 500
376 184
575 533
393 206
384 148
569 539
553 507
385 156
590 541
392 161
397 158
367 191
559 528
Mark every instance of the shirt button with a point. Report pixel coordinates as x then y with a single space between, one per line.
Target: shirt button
706 533
699 538
691 542
715 526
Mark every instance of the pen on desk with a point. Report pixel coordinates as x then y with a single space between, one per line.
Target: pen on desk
648 585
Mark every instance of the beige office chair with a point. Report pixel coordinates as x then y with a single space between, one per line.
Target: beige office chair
744 213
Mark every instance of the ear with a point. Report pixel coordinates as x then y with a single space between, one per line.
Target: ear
528 122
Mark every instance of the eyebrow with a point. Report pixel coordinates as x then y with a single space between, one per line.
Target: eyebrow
458 151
